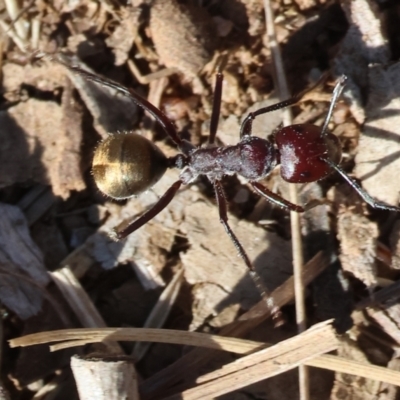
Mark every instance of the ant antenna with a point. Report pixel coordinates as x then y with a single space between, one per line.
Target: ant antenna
335 95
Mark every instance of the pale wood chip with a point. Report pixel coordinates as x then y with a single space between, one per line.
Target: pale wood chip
108 378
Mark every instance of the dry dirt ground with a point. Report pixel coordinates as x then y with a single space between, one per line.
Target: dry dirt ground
58 266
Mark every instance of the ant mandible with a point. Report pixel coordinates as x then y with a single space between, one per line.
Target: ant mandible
127 164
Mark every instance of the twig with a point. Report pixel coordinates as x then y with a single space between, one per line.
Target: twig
20 43
105 378
295 222
265 363
193 360
80 302
18 22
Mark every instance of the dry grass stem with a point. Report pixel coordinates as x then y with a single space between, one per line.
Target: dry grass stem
77 298
295 219
266 363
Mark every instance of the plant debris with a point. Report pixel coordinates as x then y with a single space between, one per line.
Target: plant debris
60 269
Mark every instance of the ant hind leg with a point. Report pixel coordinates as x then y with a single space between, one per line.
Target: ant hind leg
164 200
223 217
363 194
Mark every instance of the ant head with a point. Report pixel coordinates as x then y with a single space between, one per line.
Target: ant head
309 152
303 150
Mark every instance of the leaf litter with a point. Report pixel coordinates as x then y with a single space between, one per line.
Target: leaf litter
52 121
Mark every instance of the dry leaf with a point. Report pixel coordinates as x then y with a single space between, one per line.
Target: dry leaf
389 320
112 111
358 237
184 36
45 137
363 44
46 77
19 258
123 37
395 245
212 259
378 157
351 387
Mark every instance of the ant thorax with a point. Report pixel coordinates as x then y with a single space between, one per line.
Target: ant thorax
253 158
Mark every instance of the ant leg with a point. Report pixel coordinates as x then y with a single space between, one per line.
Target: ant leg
247 124
275 199
280 201
216 107
151 213
245 129
335 96
223 217
364 195
161 118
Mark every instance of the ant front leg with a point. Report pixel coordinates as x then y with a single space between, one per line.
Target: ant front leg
149 214
364 195
223 217
247 125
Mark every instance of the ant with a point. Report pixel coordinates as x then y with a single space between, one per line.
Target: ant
127 164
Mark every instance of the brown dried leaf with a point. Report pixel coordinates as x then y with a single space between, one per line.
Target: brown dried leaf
255 15
305 4
147 248
352 387
45 77
45 150
45 138
88 16
183 36
19 257
112 111
68 169
395 245
378 157
389 320
212 259
357 237
123 37
363 44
